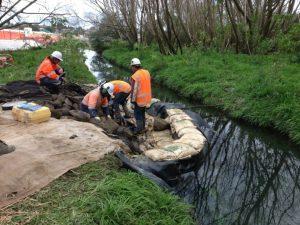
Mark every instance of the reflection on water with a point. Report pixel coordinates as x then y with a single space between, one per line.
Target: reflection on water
247 179
251 175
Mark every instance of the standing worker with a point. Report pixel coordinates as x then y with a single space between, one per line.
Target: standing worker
96 98
49 73
121 92
140 93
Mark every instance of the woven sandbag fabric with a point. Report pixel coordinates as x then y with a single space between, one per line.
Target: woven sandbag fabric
196 141
172 112
183 124
191 141
179 117
162 138
189 131
171 152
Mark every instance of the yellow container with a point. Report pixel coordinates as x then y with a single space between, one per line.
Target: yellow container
31 113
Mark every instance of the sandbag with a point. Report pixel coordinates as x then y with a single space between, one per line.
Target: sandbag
179 117
172 112
171 152
189 131
160 155
197 142
181 150
179 125
160 124
80 115
163 143
162 138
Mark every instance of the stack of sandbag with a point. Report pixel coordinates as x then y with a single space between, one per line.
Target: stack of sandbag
190 140
61 105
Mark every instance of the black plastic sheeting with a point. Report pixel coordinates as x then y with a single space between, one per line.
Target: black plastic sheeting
168 174
30 90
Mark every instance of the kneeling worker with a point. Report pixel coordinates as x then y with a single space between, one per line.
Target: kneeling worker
48 73
96 98
140 93
121 92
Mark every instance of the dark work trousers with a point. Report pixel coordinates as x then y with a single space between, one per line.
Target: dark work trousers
139 115
93 112
51 84
84 108
120 99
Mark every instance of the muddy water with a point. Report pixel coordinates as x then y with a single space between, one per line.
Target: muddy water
250 177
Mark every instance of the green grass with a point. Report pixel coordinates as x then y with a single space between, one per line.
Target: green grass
27 62
95 193
261 89
100 193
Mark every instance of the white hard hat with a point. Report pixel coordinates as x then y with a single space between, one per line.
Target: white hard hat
135 62
110 88
101 82
57 55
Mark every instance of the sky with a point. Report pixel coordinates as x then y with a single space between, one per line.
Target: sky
81 7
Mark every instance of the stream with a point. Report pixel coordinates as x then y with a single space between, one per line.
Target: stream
251 176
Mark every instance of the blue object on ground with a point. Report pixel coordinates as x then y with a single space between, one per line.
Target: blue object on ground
29 106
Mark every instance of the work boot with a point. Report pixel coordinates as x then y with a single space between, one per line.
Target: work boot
5 149
140 127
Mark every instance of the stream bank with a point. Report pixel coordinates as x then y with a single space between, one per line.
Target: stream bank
95 193
251 175
260 89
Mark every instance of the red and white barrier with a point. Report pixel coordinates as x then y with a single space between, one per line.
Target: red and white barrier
17 39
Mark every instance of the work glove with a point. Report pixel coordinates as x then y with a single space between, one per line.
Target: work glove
111 102
93 113
59 71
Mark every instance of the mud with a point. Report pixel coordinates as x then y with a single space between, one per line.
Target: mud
66 104
160 124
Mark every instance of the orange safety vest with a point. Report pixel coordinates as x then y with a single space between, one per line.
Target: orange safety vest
93 99
121 86
142 88
46 69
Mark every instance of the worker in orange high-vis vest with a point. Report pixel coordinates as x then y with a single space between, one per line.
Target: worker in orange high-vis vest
140 93
97 98
121 92
49 73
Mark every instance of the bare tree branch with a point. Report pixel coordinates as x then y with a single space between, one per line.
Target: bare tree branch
13 13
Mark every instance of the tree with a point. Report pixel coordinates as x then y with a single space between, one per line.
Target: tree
58 24
242 25
12 13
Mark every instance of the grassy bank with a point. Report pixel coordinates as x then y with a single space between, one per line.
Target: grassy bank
95 193
261 89
27 62
99 193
